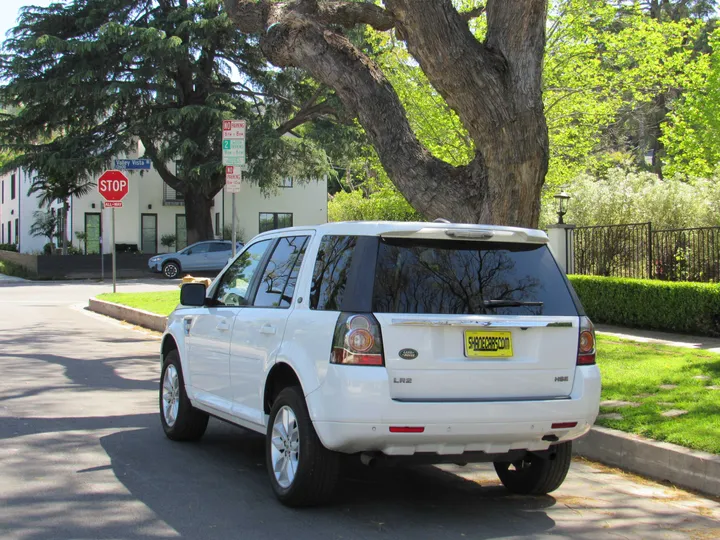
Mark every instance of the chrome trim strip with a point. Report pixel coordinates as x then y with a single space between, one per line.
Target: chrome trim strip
484 324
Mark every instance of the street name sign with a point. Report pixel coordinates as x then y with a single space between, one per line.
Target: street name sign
133 164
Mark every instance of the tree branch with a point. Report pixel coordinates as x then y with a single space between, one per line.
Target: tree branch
306 115
472 13
159 164
350 14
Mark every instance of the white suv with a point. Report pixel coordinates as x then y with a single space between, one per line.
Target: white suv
416 343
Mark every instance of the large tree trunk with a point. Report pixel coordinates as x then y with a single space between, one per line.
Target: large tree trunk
197 217
494 87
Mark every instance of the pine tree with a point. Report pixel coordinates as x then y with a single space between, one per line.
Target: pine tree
89 78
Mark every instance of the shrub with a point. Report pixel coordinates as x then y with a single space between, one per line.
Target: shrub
8 247
385 204
691 308
167 241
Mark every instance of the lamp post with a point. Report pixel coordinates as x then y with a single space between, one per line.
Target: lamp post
561 200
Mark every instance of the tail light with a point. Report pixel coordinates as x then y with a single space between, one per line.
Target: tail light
357 341
586 343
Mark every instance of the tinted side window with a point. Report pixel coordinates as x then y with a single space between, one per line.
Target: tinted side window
332 268
468 278
235 283
273 289
200 248
220 246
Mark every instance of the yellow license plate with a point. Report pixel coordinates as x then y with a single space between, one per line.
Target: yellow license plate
488 344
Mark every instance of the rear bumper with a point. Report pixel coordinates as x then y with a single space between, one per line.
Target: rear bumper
352 412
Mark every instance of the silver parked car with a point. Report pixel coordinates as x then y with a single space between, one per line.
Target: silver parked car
208 256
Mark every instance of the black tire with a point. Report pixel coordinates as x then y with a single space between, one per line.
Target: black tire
318 469
171 270
190 423
534 475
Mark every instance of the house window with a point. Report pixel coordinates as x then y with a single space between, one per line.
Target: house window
180 232
286 182
17 232
217 224
148 233
2 236
9 232
273 220
12 187
172 197
93 230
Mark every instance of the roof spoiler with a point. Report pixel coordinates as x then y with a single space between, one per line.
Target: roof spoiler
467 233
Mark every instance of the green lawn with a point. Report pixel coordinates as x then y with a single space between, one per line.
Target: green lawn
634 372
162 303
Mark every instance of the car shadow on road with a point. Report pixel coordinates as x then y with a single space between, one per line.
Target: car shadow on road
218 487
95 374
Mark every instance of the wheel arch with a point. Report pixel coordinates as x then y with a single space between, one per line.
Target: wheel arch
168 344
167 261
280 376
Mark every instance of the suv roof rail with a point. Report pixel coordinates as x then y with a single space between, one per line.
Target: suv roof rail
441 220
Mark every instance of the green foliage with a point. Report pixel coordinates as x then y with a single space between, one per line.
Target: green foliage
621 196
690 308
608 70
45 224
168 240
385 204
227 233
12 269
629 197
692 136
8 247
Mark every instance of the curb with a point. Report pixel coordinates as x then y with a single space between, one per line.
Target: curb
138 317
665 462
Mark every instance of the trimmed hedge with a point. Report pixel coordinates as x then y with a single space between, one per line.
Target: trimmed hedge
8 247
672 306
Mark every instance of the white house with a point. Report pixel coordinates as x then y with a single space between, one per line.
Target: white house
16 211
152 209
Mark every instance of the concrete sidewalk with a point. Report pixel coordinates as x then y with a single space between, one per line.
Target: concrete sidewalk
661 338
10 279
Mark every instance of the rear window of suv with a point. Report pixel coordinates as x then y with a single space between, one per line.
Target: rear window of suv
468 278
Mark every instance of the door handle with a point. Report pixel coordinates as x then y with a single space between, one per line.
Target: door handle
223 326
267 329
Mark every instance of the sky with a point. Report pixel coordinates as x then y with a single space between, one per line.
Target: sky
9 12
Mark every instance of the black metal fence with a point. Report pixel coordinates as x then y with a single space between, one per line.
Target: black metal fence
636 250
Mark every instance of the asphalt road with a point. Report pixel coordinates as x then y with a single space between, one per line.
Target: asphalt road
83 456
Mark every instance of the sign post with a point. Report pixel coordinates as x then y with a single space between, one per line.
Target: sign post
113 185
233 144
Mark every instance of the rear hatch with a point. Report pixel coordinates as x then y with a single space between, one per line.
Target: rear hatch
474 320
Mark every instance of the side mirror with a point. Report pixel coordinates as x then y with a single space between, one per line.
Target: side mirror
193 294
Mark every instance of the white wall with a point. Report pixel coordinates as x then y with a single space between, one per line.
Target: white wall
21 208
9 208
307 202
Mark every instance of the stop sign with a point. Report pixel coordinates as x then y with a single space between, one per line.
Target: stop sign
113 185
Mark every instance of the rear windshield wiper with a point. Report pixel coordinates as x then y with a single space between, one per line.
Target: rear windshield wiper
509 303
